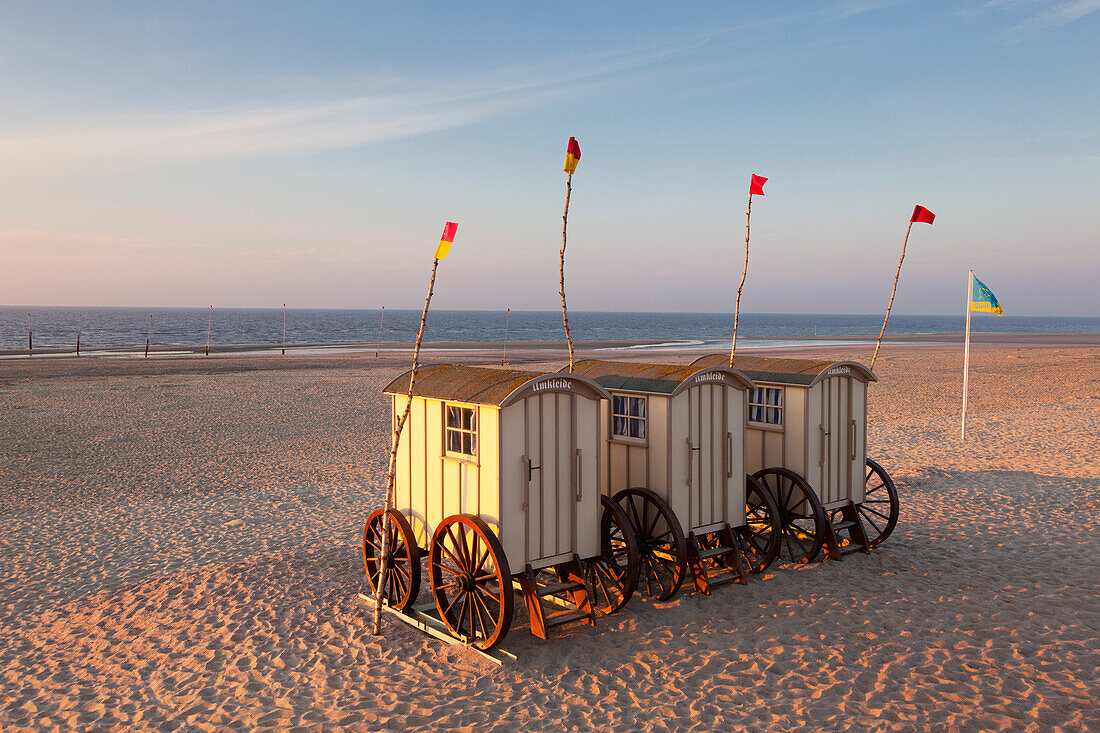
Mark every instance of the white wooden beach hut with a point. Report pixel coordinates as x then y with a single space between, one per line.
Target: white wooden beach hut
674 461
498 483
807 440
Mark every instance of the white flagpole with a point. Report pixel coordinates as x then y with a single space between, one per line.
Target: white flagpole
966 351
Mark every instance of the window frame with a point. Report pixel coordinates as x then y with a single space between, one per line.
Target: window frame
643 418
461 430
780 407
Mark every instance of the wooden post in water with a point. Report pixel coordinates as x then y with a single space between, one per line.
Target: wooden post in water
30 335
507 317
79 328
441 252
378 344
284 329
148 335
209 324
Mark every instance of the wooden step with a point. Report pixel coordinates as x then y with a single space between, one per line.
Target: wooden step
565 617
714 552
843 524
553 589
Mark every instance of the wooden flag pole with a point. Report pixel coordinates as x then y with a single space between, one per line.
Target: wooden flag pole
148 335
284 329
79 328
507 317
391 479
209 324
893 291
744 271
966 351
561 269
378 345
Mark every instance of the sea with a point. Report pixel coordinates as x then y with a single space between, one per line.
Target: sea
187 328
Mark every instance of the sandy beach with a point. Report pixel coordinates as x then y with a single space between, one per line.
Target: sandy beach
181 552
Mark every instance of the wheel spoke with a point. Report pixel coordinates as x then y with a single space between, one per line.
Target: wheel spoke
451 605
876 512
878 530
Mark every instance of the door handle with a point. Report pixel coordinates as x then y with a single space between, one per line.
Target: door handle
821 456
580 483
729 455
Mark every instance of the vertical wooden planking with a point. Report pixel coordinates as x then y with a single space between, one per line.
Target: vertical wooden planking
488 461
534 484
794 418
618 467
657 452
588 509
754 449
512 481
859 415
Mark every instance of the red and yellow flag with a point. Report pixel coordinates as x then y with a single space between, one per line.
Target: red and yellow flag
922 215
572 155
446 240
756 186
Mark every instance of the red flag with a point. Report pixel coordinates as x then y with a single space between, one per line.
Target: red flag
922 215
572 155
757 185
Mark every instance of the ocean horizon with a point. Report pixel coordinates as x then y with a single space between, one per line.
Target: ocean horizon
56 327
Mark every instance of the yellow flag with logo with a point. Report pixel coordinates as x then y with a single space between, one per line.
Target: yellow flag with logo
982 299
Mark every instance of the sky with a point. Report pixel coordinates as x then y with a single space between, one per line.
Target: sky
250 154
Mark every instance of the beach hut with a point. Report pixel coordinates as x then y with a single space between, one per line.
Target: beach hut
498 490
807 441
673 457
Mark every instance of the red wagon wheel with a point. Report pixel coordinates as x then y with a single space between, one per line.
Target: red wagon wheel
612 576
661 543
763 531
801 516
402 582
470 580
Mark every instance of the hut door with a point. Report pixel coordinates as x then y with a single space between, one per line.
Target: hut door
707 445
552 460
837 441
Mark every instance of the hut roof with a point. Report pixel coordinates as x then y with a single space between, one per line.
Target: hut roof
803 372
485 385
646 377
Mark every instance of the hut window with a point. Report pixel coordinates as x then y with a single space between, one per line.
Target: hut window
461 434
628 416
766 406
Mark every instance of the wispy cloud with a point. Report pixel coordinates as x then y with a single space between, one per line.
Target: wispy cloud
1036 16
283 121
313 124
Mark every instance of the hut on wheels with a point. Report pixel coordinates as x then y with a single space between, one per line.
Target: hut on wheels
498 487
673 460
807 441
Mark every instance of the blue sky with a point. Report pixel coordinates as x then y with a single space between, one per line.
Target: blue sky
250 154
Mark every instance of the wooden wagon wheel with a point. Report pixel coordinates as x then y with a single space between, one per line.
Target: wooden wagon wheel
763 531
880 507
661 543
801 516
471 582
612 576
402 583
